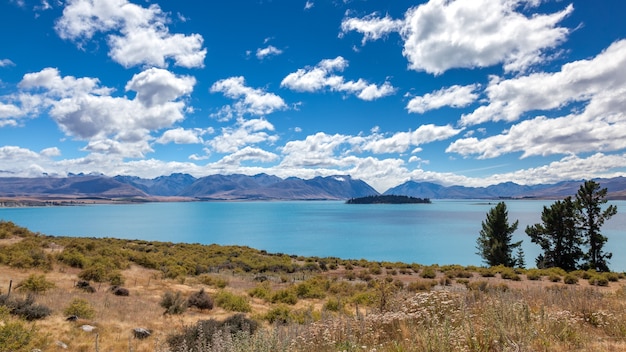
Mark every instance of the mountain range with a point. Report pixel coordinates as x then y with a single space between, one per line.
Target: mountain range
267 187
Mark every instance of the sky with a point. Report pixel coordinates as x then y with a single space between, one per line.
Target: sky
465 92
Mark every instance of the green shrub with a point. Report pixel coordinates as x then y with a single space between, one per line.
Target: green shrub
201 336
210 280
428 273
14 334
333 305
510 274
232 302
478 286
598 280
81 308
262 291
554 277
35 284
570 279
533 275
24 308
286 296
278 315
173 302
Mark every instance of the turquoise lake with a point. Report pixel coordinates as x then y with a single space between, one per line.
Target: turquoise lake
443 232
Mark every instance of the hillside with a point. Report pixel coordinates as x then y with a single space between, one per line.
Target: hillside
252 300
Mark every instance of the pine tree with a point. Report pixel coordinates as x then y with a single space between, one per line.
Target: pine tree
558 236
589 200
494 242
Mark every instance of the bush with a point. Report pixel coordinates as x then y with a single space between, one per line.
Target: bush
15 335
85 286
200 300
286 296
278 315
533 275
81 308
199 337
421 285
333 305
599 280
173 303
428 273
554 277
35 284
24 308
570 279
120 291
232 302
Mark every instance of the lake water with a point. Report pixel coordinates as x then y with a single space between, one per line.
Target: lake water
443 232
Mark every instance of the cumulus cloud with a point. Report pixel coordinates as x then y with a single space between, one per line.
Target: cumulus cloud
309 5
248 154
590 80
321 77
249 101
440 35
139 35
371 26
455 96
183 136
270 50
598 84
400 142
84 109
245 132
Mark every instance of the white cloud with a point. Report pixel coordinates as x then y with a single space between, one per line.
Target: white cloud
250 101
85 110
143 39
157 86
455 96
400 142
6 63
244 133
440 34
183 136
578 81
248 154
309 5
372 26
320 77
270 50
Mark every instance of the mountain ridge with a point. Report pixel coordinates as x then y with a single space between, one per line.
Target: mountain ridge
268 187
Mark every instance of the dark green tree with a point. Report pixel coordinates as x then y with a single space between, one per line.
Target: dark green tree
590 199
494 242
558 236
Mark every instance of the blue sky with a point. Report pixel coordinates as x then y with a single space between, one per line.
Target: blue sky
466 92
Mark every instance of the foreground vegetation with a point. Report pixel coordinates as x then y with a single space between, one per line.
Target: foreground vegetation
191 297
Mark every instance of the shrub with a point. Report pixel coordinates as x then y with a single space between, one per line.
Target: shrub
333 305
284 296
35 284
232 302
599 280
120 291
199 337
81 308
478 286
209 280
200 300
554 277
428 273
15 335
173 303
278 315
533 275
421 285
24 308
262 291
570 279
509 274
85 286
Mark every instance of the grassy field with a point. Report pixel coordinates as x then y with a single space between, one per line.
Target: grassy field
292 303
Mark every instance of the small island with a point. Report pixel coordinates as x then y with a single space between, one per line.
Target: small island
388 199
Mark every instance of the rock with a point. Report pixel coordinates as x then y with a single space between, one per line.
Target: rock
141 333
88 328
61 345
72 318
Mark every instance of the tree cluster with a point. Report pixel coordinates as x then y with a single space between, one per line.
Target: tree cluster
569 234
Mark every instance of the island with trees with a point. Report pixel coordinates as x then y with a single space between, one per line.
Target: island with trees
388 199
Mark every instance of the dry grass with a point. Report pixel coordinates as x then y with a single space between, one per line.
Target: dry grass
525 315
